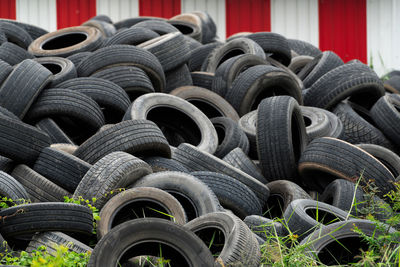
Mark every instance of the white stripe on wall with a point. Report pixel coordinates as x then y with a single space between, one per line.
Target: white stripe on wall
216 9
383 35
118 9
296 19
40 13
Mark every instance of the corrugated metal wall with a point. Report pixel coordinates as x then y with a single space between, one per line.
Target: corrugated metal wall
366 29
159 8
38 12
74 12
383 28
297 19
243 16
343 28
7 9
118 9
216 9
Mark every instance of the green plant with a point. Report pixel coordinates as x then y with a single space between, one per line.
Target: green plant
41 257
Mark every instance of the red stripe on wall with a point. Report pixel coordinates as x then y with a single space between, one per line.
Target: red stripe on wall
159 8
343 28
247 16
7 9
74 12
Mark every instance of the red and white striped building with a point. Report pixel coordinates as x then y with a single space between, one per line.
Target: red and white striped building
365 29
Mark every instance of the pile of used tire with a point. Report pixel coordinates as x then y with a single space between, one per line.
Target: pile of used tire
187 145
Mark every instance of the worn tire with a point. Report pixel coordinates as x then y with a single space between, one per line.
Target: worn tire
153 199
137 137
281 137
231 193
134 233
260 82
67 41
62 69
175 116
113 171
240 246
326 159
39 188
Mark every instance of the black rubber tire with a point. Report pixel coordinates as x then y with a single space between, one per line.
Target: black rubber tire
40 217
13 54
5 70
188 24
298 63
303 48
51 128
16 34
58 102
148 198
12 189
34 31
21 142
228 71
51 240
129 22
238 159
264 227
210 103
131 36
170 49
357 129
134 233
107 29
22 86
160 164
326 159
321 123
159 26
137 137
209 29
176 116
231 193
356 80
230 49
344 195
61 168
133 80
320 65
240 246
385 114
196 160
248 124
281 137
113 171
281 194
113 100
6 164
78 57
274 44
338 243
387 157
39 188
230 136
195 196
62 69
260 82
124 55
199 54
67 41
203 79
178 77
303 216
392 85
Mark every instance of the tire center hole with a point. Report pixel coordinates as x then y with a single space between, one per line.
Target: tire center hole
322 216
214 239
54 68
65 40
